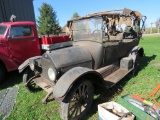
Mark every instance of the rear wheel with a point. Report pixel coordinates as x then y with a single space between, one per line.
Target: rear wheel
31 85
136 65
78 101
3 72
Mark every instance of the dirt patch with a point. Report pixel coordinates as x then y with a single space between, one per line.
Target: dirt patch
154 34
155 64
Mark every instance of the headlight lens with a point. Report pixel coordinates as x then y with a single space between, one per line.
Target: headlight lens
52 74
32 64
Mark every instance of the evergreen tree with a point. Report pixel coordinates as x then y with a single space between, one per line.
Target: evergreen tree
47 21
75 15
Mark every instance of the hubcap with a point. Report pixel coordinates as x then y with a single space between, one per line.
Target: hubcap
81 101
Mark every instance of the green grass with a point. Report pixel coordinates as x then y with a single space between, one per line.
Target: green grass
29 106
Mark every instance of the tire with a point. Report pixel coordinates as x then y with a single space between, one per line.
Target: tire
78 101
31 86
3 72
136 65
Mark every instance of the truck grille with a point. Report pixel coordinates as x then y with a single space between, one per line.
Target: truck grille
46 63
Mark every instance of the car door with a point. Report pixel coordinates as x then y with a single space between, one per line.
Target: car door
22 43
126 46
3 45
111 49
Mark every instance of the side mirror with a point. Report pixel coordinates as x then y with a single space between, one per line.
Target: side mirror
9 37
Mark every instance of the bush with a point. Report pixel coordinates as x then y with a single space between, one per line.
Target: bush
154 30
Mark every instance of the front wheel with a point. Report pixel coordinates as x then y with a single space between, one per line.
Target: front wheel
78 101
31 85
3 72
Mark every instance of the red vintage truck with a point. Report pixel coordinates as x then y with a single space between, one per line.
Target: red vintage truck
19 41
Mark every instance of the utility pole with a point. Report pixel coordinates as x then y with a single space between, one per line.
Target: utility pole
151 27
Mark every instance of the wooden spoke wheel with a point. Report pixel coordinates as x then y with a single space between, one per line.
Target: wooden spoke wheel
78 101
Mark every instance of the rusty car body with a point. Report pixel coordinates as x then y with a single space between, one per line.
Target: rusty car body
105 49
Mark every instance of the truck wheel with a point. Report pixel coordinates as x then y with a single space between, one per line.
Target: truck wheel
136 65
31 86
3 72
78 101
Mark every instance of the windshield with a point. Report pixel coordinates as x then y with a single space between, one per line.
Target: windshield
87 29
2 30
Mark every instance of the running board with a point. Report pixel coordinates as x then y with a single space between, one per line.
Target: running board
47 87
116 76
105 71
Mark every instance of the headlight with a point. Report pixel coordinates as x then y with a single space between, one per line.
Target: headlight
32 64
52 74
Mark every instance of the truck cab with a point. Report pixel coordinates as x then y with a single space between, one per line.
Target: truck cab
19 41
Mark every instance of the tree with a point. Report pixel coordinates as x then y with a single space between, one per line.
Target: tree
158 24
75 15
47 21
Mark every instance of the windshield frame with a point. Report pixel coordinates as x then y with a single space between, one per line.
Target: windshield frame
91 19
5 29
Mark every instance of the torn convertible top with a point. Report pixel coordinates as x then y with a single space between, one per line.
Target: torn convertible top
120 12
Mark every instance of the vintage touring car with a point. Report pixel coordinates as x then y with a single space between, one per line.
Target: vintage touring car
105 49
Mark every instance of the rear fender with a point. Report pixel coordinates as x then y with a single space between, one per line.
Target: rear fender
25 64
136 50
73 76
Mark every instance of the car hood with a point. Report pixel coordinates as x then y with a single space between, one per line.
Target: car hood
66 58
1 36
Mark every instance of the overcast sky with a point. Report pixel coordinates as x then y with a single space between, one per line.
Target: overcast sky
66 8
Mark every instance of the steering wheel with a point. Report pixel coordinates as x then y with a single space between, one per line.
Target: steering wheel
96 34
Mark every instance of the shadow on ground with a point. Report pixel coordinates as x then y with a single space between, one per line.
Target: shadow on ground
106 95
144 61
13 78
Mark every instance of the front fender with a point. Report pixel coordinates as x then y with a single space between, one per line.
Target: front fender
9 63
68 79
25 64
